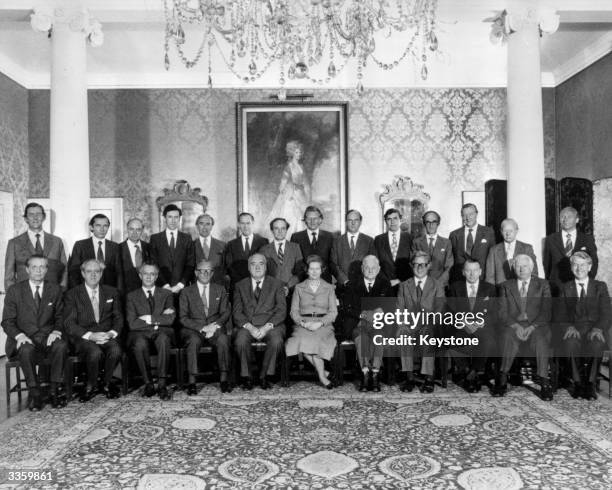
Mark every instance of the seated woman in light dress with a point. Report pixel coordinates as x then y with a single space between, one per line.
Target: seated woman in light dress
313 309
294 189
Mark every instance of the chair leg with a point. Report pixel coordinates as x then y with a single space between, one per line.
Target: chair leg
68 378
7 374
18 377
124 374
179 369
285 371
340 360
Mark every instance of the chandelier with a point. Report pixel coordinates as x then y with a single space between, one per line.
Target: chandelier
306 39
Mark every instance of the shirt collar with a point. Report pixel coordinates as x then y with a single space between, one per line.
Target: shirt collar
431 236
585 282
32 235
254 282
423 281
96 240
90 291
520 283
171 231
474 228
33 287
132 245
204 239
250 237
571 233
349 235
201 287
278 242
469 286
146 290
367 281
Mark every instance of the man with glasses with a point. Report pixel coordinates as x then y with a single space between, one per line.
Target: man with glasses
150 315
134 253
209 248
393 249
471 241
421 293
32 320
99 248
93 318
439 248
584 317
314 241
204 312
35 241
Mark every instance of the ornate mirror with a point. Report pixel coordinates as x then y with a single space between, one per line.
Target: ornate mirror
191 202
409 198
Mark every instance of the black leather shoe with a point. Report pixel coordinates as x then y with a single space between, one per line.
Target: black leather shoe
577 390
192 389
225 387
428 385
375 382
87 395
58 399
35 403
110 391
546 392
328 386
589 392
363 383
264 383
407 385
163 393
247 384
149 390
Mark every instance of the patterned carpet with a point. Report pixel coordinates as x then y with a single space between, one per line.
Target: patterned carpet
307 437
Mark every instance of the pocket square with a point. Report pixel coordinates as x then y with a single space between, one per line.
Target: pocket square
217 299
109 300
441 250
486 299
484 240
50 304
582 248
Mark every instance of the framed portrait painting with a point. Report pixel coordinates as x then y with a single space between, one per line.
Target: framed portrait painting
290 156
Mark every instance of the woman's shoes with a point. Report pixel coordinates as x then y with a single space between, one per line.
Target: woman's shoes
328 386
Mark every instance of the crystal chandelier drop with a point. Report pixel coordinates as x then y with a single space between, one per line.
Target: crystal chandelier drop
307 39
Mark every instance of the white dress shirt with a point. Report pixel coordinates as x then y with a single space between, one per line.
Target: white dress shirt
32 237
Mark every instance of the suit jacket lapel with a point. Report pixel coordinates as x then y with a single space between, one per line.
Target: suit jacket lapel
47 245
514 291
461 236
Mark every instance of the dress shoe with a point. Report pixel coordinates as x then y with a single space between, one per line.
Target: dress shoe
363 383
225 387
501 385
264 383
110 391
192 389
87 395
58 398
577 390
428 385
328 386
546 392
375 382
589 392
149 390
407 385
247 384
163 393
35 403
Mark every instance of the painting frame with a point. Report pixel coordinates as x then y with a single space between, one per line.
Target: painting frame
264 132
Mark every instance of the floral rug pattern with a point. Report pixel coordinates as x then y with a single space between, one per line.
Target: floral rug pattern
307 437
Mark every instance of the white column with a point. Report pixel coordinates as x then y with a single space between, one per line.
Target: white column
71 27
525 131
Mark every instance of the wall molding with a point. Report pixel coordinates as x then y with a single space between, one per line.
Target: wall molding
583 59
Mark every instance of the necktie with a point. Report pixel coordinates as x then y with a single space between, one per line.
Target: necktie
394 245
204 301
281 254
151 301
472 296
37 298
257 290
431 246
352 244
38 248
137 257
95 304
568 245
314 239
582 292
205 248
369 287
172 245
419 291
508 252
523 293
247 248
580 304
469 244
100 254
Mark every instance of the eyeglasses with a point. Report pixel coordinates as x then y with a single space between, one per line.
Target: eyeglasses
430 222
420 264
202 271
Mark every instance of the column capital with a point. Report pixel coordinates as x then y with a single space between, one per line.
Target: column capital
75 18
521 16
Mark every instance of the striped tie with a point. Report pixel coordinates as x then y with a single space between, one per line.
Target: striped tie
281 254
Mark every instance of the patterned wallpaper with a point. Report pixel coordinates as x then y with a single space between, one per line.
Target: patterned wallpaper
602 226
14 167
448 140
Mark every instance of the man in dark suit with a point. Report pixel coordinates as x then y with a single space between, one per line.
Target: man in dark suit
349 250
172 251
500 261
93 318
32 320
150 315
209 248
314 241
421 293
439 248
96 247
584 317
362 299
393 249
204 314
284 259
524 314
239 249
559 247
259 313
473 305
471 241
35 241
134 252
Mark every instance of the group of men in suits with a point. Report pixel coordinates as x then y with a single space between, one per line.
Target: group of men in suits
250 281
